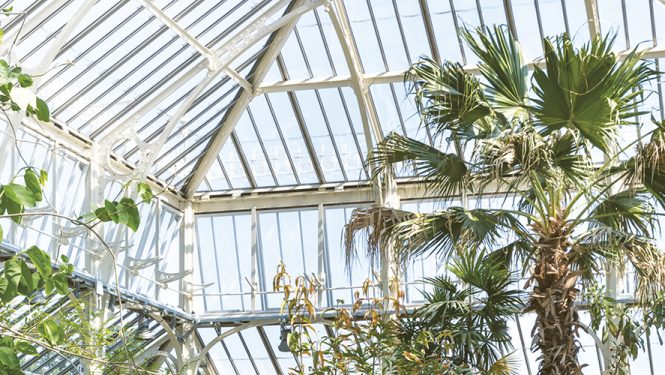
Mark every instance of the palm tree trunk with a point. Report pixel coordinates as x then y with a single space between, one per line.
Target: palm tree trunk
553 300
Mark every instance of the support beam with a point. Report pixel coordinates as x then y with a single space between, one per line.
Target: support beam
360 85
187 338
81 146
311 196
216 61
397 76
231 118
31 21
60 39
592 17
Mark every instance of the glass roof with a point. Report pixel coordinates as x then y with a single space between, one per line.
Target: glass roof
304 125
118 63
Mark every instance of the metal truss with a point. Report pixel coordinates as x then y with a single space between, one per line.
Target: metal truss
216 62
304 196
231 118
398 76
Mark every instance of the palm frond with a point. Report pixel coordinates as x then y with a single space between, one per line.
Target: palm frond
647 168
443 232
449 100
606 243
649 264
588 90
567 157
369 229
506 365
626 212
444 174
474 309
502 65
516 255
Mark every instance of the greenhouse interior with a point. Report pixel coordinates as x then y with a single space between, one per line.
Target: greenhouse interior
332 187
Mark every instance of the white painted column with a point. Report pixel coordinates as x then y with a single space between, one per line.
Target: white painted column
187 248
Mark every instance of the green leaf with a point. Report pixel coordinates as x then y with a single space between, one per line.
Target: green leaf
144 191
60 283
26 285
133 216
33 184
9 359
42 111
51 332
43 177
25 347
1 234
49 286
20 194
13 209
40 260
24 80
588 89
111 210
64 258
13 271
3 285
102 214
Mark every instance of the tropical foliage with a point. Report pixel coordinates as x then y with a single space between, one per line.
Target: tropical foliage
30 280
461 329
574 195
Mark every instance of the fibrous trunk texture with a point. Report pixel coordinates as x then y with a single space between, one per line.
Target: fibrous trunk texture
553 300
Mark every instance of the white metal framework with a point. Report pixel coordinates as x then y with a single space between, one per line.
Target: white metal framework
252 120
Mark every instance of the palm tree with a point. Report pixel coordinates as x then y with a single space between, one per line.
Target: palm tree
467 322
546 139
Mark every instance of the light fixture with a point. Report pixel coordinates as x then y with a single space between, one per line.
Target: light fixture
36 298
284 339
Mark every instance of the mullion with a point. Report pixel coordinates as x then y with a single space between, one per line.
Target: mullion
214 246
565 16
325 42
249 354
235 240
118 64
182 66
226 175
92 47
625 23
401 32
323 111
228 355
429 28
243 160
539 19
453 13
295 106
18 19
282 139
353 130
480 13
198 251
339 90
376 33
262 146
